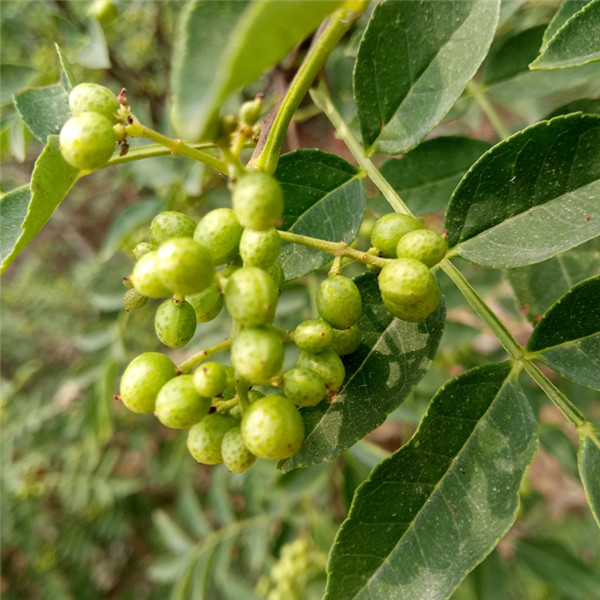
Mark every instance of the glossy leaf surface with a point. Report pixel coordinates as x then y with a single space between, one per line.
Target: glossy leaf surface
44 110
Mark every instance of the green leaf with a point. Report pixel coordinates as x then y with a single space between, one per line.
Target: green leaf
44 110
434 509
392 359
426 177
225 45
413 63
52 178
323 198
565 11
95 54
588 460
531 196
13 210
67 77
567 338
576 42
589 106
14 78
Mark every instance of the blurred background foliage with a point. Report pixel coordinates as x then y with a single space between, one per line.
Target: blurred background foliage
101 503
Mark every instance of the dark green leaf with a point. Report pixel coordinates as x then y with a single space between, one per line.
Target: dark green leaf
566 10
44 110
588 459
393 357
225 45
426 177
67 77
413 63
433 510
531 196
13 210
576 42
567 338
52 178
589 106
323 199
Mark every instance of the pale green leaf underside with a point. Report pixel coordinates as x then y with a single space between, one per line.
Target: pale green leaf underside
44 110
433 510
67 77
588 459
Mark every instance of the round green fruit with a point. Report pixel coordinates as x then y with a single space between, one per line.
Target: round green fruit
303 386
272 428
416 312
388 229
87 141
143 248
406 281
251 296
423 244
179 405
175 323
338 301
277 275
220 232
207 304
314 335
91 97
346 341
205 438
257 354
327 364
260 248
236 456
210 379
133 300
142 380
170 224
145 277
258 201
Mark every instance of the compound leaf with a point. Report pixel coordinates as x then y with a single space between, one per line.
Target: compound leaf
531 196
433 510
323 198
413 63
393 357
567 338
565 11
588 460
44 110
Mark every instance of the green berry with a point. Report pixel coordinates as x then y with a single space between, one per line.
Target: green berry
91 97
406 281
87 141
257 354
175 323
277 275
313 335
272 428
423 244
254 395
327 364
346 341
207 304
185 266
236 456
210 379
133 300
250 110
260 248
170 224
338 301
251 296
417 311
145 277
225 274
258 201
179 405
304 387
142 380
205 438
220 232
143 248
388 229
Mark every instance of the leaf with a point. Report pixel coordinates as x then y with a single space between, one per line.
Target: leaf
67 77
590 106
13 210
433 510
392 359
44 110
323 198
588 460
576 42
51 180
413 63
565 11
14 78
531 196
225 45
426 177
567 338
95 54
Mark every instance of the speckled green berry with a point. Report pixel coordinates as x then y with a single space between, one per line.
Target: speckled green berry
250 110
143 248
327 364
338 301
303 386
145 277
236 456
258 201
257 354
346 341
210 379
185 266
260 248
205 438
91 97
251 296
87 141
207 304
170 224
220 232
142 380
277 275
272 428
388 229
423 244
406 281
179 405
175 323
133 300
417 311
313 335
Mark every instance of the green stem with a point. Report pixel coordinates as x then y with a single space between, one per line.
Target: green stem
339 23
477 93
187 365
322 99
236 168
149 151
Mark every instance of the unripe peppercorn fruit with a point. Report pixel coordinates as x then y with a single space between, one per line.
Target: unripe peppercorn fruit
146 279
236 456
258 200
207 304
339 302
179 405
133 300
327 364
303 386
416 312
170 224
388 229
91 97
175 323
423 244
346 341
257 354
220 232
406 281
143 248
210 379
260 248
251 296
313 335
205 438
